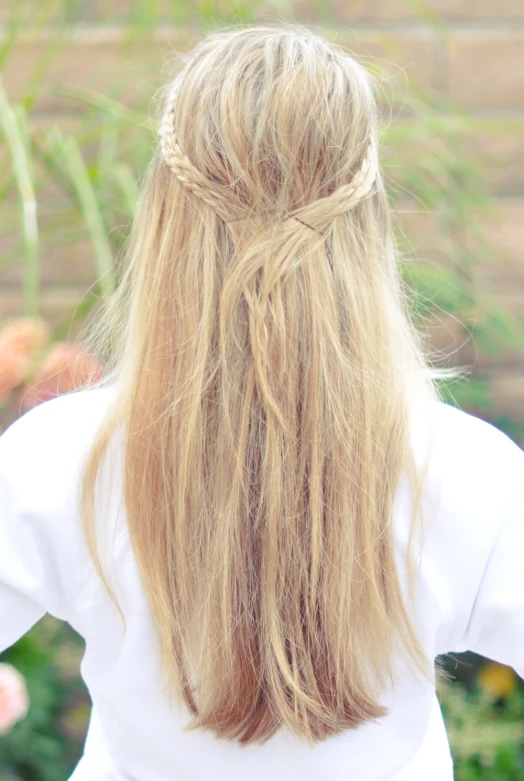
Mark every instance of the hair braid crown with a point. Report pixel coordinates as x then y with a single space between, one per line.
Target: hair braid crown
316 215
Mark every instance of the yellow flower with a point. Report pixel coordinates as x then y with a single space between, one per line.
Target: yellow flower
497 679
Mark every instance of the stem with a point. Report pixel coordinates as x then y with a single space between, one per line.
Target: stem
14 125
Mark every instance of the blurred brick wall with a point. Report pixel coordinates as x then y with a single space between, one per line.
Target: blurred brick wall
475 56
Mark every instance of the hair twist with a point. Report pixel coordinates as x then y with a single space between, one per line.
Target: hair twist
221 200
319 214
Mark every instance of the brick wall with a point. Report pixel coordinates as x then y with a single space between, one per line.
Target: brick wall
472 51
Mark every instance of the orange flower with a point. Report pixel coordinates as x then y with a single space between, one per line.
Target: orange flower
14 700
65 368
497 679
20 342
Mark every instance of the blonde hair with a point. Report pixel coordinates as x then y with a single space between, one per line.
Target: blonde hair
265 370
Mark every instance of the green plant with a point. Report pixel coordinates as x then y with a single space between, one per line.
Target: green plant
14 125
52 693
486 734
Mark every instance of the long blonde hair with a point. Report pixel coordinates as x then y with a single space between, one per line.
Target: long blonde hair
265 369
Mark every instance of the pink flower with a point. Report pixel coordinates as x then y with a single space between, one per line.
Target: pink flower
14 699
20 342
65 368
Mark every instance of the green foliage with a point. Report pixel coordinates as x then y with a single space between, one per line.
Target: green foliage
443 179
82 185
486 735
14 125
426 158
475 394
53 752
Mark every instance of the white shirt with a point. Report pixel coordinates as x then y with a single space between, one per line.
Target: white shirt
469 596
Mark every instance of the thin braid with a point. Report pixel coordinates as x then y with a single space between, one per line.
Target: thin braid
221 200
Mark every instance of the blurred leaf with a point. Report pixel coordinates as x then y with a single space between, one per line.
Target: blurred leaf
436 288
473 395
41 729
127 184
11 29
497 330
108 105
66 149
89 300
14 126
484 745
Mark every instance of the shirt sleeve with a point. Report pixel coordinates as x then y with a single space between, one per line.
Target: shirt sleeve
496 625
29 582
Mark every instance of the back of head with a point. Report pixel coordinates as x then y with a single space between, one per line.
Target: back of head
265 368
279 117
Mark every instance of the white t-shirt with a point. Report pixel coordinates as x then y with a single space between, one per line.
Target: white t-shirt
469 596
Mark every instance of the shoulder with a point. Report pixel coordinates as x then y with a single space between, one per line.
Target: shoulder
466 449
52 437
470 428
481 474
79 409
41 456
475 471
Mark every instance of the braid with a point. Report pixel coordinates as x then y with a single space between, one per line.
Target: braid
316 216
219 198
319 214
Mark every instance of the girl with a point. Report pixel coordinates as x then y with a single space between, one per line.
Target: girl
263 522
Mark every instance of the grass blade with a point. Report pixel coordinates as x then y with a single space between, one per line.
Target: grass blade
14 125
128 186
67 148
108 105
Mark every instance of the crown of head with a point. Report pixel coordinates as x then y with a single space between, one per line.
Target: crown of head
315 216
